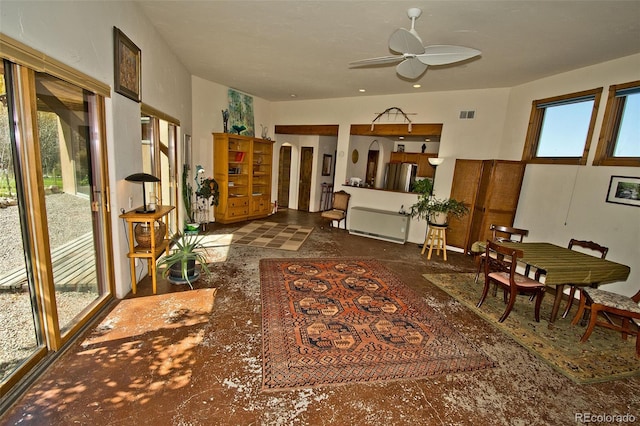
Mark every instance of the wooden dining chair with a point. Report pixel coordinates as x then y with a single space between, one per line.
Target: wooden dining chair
500 268
338 212
587 245
500 233
605 302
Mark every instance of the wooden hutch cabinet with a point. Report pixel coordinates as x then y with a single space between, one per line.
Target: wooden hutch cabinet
491 189
242 167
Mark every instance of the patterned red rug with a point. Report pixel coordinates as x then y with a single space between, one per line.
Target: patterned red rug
336 321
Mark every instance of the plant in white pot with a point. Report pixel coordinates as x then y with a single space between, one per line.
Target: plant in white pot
432 209
180 263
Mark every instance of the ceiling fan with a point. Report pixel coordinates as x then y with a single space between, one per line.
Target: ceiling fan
414 58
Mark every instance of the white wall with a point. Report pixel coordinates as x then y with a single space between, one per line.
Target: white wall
475 138
80 34
560 202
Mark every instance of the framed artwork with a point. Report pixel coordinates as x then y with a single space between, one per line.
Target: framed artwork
400 148
326 165
241 112
127 66
624 190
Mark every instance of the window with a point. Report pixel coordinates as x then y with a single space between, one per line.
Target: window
560 128
619 143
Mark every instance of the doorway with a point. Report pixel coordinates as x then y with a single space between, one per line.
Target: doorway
284 173
306 167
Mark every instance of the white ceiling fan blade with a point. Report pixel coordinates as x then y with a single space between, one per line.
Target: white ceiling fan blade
444 54
411 68
377 61
403 41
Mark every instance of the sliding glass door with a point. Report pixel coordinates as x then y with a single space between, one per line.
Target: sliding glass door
55 251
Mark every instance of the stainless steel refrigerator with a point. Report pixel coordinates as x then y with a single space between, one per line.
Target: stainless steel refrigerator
400 176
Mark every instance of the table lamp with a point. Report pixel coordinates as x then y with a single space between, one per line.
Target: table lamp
143 177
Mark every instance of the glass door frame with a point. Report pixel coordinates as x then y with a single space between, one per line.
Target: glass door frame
24 132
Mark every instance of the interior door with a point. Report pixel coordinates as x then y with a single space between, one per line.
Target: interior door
372 166
306 167
284 173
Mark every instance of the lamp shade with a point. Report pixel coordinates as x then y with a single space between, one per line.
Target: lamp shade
143 177
434 161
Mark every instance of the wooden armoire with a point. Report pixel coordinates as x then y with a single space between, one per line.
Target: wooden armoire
491 189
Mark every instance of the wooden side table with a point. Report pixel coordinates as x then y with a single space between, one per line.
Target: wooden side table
436 237
150 253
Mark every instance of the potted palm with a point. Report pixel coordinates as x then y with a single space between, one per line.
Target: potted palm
180 263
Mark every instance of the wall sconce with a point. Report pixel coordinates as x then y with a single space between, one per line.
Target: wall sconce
435 162
143 177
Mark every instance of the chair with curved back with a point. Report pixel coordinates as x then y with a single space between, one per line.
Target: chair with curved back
502 233
605 302
587 245
500 268
338 211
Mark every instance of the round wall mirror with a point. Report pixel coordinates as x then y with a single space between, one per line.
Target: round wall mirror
354 156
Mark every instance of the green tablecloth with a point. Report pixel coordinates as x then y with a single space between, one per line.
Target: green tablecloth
564 266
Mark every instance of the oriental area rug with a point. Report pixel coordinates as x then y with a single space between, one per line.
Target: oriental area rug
604 357
338 321
272 235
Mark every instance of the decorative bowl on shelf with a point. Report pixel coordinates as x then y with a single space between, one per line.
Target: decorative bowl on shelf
142 233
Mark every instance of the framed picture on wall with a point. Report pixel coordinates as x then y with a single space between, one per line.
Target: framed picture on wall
624 190
127 66
326 165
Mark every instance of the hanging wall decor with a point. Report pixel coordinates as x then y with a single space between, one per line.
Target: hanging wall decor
624 190
127 66
241 112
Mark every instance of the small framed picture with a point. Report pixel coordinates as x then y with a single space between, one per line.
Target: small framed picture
326 165
624 190
400 148
127 66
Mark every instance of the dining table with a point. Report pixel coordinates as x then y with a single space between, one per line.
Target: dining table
562 266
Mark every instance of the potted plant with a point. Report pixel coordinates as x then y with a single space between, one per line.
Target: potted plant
432 209
180 263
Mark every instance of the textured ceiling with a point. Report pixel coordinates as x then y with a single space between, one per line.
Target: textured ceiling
273 49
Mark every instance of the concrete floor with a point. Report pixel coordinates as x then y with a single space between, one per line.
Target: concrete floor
210 374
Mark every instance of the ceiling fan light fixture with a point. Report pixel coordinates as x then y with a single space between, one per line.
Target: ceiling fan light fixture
413 57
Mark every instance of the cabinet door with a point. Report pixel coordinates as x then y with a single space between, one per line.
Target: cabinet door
498 196
424 168
466 177
397 157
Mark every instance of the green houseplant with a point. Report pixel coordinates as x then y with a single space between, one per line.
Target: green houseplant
180 263
432 209
437 211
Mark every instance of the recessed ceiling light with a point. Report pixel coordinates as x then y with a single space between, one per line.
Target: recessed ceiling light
293 95
417 86
361 90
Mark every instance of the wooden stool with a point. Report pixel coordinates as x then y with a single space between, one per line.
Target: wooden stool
436 237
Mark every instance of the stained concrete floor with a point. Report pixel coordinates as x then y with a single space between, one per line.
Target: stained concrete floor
208 371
